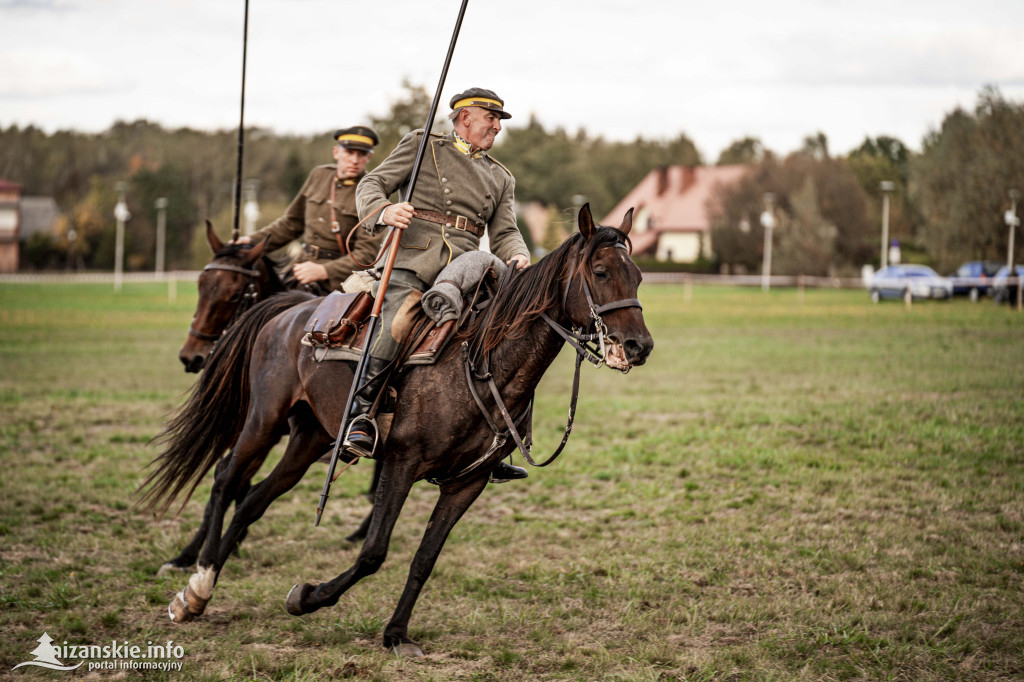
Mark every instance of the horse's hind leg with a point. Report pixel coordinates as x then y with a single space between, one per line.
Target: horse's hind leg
394 485
450 507
307 441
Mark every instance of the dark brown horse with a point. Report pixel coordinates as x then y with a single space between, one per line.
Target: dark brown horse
588 283
238 276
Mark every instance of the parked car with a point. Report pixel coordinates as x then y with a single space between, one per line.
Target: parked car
1000 291
909 282
974 278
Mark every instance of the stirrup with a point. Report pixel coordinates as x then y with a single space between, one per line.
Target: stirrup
357 449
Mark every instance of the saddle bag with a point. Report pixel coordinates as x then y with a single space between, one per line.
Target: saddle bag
338 318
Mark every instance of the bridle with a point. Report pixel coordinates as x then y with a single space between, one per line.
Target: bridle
247 300
582 339
589 343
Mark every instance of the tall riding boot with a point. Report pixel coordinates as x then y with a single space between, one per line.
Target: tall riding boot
361 439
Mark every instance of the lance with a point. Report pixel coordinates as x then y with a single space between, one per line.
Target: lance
393 237
241 126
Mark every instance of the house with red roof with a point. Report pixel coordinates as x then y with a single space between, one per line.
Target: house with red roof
670 216
10 220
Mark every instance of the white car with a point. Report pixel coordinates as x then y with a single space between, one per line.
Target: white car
909 282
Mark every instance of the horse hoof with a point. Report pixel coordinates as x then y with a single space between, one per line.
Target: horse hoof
296 596
407 650
169 568
177 610
196 605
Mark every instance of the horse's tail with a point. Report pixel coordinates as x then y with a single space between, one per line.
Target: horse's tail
213 415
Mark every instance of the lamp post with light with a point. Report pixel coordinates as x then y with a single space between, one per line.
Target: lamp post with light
768 223
122 215
251 211
161 233
1012 221
886 186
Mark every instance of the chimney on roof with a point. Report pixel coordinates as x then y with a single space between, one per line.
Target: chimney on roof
662 179
689 178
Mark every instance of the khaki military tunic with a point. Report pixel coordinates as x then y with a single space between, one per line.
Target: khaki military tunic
309 217
477 188
474 190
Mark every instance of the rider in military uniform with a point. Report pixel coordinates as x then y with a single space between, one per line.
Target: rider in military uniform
461 192
322 214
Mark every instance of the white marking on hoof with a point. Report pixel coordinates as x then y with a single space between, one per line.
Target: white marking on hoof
201 582
177 610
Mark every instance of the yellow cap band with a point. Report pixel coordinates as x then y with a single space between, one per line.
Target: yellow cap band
356 138
476 102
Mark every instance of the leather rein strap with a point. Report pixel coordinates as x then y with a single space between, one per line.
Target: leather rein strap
247 300
577 338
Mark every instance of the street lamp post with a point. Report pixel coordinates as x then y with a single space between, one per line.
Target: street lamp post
161 233
768 222
122 214
886 186
251 211
1012 221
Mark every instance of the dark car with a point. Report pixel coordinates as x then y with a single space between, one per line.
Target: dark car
974 278
909 282
1004 290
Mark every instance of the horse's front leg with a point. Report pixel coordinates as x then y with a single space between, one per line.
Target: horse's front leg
187 557
191 601
450 507
395 482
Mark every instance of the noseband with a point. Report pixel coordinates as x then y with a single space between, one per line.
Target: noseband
244 303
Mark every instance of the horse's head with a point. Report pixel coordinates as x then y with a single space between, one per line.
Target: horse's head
602 293
223 286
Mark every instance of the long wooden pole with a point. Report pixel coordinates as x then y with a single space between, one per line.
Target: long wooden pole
241 127
394 236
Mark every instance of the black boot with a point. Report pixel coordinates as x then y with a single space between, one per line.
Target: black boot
504 472
361 439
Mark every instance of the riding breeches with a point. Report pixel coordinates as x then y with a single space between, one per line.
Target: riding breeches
404 291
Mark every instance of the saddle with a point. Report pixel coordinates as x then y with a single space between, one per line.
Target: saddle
337 330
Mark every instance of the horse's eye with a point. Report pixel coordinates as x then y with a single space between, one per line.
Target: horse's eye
235 297
601 274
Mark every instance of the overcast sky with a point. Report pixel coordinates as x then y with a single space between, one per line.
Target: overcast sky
716 71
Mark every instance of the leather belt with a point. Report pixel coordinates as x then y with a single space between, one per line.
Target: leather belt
315 252
459 222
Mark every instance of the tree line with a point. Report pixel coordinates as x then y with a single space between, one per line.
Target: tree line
946 206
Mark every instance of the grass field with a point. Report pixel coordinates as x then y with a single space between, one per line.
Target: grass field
810 488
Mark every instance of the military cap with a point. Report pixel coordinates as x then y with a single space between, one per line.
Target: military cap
479 97
357 137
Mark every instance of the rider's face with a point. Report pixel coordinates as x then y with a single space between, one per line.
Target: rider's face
351 162
480 127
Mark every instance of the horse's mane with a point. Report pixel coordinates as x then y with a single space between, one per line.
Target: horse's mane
538 289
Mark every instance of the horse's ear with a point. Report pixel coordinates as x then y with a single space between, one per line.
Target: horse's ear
215 243
627 222
586 221
253 254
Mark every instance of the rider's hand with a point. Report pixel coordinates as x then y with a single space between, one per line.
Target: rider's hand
242 240
309 272
397 215
521 261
